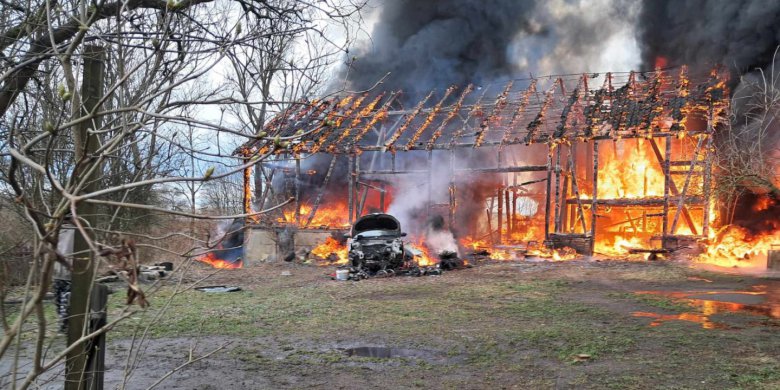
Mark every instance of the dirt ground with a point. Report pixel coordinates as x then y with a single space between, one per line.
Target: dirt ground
534 325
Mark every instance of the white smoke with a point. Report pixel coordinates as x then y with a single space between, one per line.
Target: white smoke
440 240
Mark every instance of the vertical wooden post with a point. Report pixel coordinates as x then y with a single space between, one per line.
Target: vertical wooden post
247 197
430 182
297 191
96 348
452 189
564 205
667 187
575 188
490 225
382 198
557 206
514 204
594 201
351 189
508 211
547 197
500 223
705 226
82 279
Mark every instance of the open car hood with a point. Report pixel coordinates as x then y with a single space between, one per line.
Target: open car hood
376 222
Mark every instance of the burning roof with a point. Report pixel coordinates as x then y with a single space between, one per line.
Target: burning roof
538 110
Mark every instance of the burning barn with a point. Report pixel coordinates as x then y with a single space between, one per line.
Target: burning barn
597 163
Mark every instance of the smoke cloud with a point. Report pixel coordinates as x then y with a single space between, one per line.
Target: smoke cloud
427 45
740 34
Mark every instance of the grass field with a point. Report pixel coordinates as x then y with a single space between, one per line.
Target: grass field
543 325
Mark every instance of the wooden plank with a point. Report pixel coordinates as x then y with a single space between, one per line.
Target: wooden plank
667 180
594 204
558 203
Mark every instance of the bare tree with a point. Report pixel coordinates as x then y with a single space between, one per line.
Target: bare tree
747 148
101 103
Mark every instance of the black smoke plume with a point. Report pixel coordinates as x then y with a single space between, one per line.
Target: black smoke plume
432 44
739 34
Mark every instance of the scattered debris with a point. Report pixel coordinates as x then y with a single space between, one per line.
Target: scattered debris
581 357
218 289
167 265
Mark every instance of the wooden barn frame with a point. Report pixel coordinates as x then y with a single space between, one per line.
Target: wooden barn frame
558 125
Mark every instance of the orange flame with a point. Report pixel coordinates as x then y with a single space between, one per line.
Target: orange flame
734 246
330 215
212 260
424 259
332 247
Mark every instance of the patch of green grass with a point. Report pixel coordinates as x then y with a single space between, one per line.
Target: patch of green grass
30 328
656 301
243 313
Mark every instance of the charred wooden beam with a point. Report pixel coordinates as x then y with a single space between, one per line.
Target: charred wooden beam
297 190
667 180
364 113
575 187
528 168
574 98
594 204
563 215
708 177
499 105
333 120
518 114
477 107
351 188
452 189
557 189
409 118
500 227
541 115
430 184
646 202
429 119
380 115
453 111
547 197
394 172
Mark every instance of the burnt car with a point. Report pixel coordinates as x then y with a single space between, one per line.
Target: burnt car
375 244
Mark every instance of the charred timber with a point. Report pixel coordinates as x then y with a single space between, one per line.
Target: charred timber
530 168
689 200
